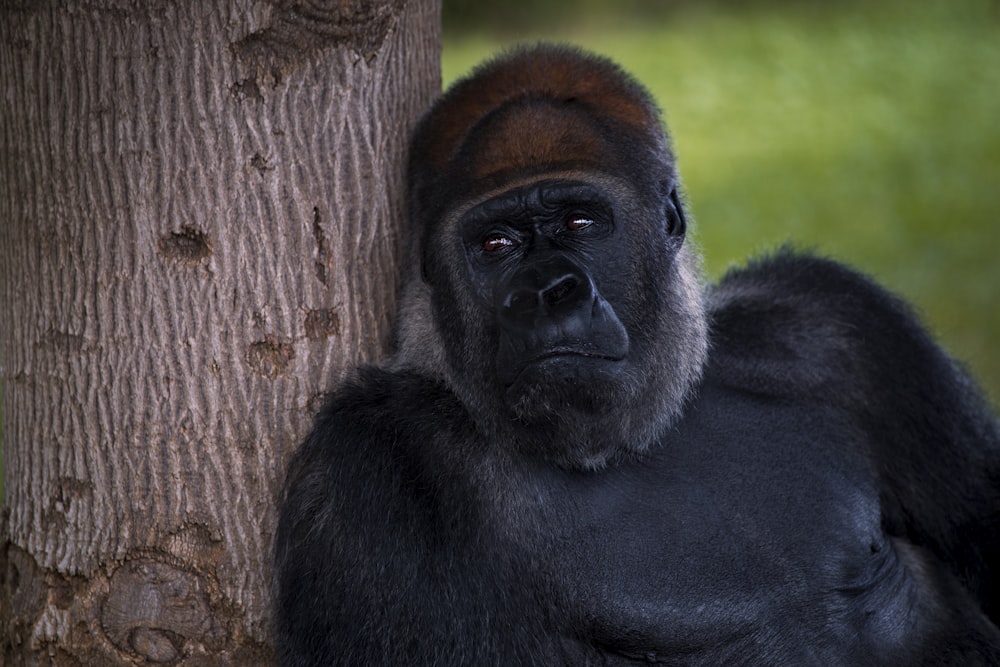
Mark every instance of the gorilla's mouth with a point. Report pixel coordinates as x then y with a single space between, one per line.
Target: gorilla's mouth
571 352
561 364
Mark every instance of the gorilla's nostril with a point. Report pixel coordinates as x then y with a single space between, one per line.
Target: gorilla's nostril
559 291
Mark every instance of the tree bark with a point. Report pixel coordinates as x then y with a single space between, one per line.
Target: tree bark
200 216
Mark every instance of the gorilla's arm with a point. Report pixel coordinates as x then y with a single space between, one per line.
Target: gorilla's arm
810 328
351 531
331 566
381 554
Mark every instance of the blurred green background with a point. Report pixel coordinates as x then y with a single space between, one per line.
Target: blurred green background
867 131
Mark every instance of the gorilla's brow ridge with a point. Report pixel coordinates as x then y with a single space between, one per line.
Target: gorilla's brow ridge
528 200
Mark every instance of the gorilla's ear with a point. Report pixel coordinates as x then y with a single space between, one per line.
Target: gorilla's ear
676 223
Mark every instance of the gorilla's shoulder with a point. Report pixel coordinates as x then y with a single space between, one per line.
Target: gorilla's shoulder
795 323
782 286
378 451
379 397
380 419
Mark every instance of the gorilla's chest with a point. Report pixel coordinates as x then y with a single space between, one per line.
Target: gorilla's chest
747 510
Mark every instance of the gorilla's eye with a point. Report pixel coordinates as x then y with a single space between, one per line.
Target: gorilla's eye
578 222
496 242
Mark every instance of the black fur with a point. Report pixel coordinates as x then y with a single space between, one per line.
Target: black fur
783 469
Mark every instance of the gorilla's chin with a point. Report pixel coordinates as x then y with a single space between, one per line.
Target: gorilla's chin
566 381
572 410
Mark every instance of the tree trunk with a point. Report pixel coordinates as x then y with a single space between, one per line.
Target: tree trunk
200 214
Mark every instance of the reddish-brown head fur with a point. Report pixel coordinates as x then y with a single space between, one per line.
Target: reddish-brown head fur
534 110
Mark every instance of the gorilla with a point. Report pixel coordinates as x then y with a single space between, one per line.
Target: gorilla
580 454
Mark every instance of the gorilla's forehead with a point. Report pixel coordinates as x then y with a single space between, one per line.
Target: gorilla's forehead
527 134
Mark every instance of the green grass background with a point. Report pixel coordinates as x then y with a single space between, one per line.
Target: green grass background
869 132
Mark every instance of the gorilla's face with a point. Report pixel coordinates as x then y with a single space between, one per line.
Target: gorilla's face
560 317
539 258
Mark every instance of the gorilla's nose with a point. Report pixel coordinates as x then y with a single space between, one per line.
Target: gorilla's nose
545 293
